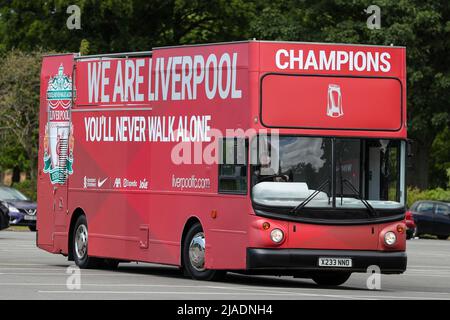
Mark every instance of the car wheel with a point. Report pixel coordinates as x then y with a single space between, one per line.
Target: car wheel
32 228
411 233
194 249
442 237
415 232
331 278
80 245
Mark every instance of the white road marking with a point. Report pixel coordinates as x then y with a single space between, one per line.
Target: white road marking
43 269
22 264
250 291
239 293
206 293
62 273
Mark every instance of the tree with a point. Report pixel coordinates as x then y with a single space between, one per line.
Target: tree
440 155
121 25
423 26
19 105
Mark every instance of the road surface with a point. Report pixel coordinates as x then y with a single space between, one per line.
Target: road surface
27 272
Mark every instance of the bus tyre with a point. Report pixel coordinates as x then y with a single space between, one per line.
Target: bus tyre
194 256
331 278
80 245
109 264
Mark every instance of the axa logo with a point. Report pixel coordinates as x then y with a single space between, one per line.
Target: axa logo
334 105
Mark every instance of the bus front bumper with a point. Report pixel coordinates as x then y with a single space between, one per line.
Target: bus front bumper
259 259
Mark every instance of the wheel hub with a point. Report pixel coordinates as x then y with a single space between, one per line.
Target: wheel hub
197 251
81 240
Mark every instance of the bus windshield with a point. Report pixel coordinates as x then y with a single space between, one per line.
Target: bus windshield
322 172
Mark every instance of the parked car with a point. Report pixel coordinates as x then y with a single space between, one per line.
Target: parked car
21 210
411 227
431 217
4 217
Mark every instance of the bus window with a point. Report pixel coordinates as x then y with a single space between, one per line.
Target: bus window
233 166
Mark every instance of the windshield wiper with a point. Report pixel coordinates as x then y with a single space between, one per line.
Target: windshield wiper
310 197
366 203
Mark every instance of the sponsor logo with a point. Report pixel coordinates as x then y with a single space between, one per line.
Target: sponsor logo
125 183
130 183
58 138
89 182
100 183
143 184
117 183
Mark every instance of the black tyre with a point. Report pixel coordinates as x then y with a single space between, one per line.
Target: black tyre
442 237
194 256
108 264
411 233
80 245
331 278
32 228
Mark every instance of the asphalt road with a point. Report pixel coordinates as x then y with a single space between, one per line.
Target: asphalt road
27 272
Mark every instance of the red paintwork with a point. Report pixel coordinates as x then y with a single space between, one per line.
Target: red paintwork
374 103
409 220
147 225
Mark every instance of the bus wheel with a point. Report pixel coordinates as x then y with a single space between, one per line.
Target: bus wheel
331 278
80 245
194 256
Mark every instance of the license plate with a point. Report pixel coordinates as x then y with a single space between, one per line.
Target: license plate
30 218
335 262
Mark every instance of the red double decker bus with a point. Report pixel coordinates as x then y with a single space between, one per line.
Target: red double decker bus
261 157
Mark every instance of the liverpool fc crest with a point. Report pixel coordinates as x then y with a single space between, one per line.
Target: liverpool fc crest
58 139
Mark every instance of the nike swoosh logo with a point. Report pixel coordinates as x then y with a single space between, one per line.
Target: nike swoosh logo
101 183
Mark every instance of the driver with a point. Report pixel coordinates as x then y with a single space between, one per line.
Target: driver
264 171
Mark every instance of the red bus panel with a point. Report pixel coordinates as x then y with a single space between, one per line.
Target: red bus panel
331 102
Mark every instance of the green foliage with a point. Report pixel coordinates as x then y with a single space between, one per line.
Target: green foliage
19 105
448 177
423 26
437 194
440 155
122 25
84 47
28 188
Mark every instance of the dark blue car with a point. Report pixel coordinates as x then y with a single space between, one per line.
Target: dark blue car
21 210
431 217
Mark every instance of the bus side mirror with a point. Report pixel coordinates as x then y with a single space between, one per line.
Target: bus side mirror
409 148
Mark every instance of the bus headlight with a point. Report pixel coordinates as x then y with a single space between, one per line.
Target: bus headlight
390 238
277 235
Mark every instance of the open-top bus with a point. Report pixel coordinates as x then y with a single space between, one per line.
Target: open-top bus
261 157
